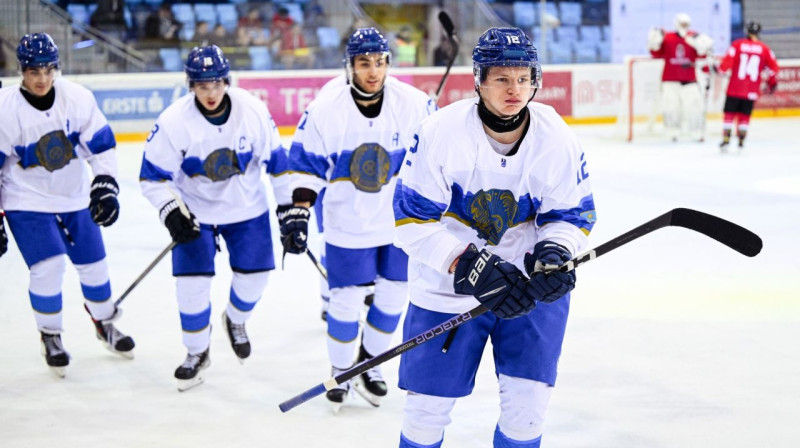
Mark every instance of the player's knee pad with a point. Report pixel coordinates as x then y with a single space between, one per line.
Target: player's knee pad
249 287
671 104
194 293
425 417
93 274
692 106
523 405
346 303
47 276
391 297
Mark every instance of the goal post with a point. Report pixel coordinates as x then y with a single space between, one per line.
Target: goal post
640 108
641 102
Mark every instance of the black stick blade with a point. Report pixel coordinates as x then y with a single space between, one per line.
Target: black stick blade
732 235
447 24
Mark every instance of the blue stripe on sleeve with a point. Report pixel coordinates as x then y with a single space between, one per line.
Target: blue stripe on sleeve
102 140
410 206
151 172
278 162
305 162
582 217
342 170
2 159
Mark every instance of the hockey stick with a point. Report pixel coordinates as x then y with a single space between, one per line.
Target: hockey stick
732 235
320 267
143 274
172 244
449 28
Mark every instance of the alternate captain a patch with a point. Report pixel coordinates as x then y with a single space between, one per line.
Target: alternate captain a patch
369 167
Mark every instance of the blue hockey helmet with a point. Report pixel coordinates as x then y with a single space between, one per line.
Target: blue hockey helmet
37 50
505 47
207 64
365 41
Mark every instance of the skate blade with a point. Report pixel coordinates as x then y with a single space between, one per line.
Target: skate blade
59 372
126 355
107 346
241 360
184 385
336 407
361 390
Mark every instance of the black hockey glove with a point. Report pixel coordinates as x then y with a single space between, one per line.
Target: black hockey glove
3 236
547 285
496 283
181 228
294 228
103 204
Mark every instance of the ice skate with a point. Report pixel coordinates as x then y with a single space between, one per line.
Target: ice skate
338 395
370 384
113 340
190 373
54 353
237 336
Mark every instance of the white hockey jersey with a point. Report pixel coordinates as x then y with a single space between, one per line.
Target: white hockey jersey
42 152
454 189
215 169
357 159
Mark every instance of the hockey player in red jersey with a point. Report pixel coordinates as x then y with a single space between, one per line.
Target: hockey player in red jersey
681 97
746 59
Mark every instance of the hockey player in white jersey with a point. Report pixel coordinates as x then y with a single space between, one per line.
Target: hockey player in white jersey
49 129
208 148
495 188
352 140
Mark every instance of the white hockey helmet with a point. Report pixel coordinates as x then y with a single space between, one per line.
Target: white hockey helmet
682 23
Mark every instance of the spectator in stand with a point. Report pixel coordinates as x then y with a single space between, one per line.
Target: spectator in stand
281 23
253 26
294 52
314 15
443 53
680 93
221 37
109 17
202 33
162 26
405 48
746 59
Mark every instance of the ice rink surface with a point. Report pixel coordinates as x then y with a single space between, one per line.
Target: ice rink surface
673 341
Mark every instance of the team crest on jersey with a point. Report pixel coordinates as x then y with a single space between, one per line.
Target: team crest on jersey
369 167
54 151
221 165
493 212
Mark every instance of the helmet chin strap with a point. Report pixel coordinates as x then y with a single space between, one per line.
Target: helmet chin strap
503 123
360 94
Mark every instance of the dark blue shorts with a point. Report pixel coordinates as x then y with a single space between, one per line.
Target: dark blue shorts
351 267
525 347
249 244
40 236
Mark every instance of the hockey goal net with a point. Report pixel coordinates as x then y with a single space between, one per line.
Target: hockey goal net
640 108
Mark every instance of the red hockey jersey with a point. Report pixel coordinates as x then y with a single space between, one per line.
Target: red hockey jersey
679 58
747 59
